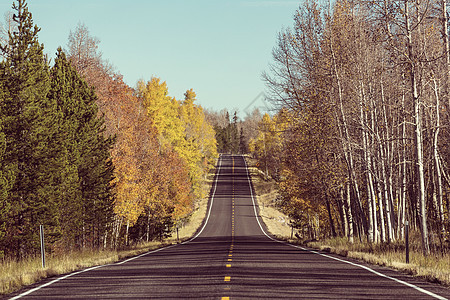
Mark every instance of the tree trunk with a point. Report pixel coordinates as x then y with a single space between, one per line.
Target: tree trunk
148 225
349 215
438 189
402 215
445 52
333 229
345 136
367 168
345 219
126 233
384 150
376 233
418 134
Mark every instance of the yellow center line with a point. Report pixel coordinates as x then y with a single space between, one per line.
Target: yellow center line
225 298
230 254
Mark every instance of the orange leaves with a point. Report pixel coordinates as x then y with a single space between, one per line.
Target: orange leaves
148 177
163 146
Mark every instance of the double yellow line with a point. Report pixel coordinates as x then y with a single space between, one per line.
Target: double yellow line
230 252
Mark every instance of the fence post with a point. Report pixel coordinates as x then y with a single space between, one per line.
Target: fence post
407 241
41 230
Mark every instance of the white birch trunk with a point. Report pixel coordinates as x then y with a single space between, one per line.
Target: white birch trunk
418 134
439 189
350 217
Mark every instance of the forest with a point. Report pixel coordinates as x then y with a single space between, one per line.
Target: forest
100 164
359 145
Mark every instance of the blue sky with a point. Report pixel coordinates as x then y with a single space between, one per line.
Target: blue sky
218 48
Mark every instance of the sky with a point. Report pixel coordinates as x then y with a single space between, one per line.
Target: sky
218 48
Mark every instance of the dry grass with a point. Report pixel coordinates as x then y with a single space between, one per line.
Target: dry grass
17 274
433 268
277 223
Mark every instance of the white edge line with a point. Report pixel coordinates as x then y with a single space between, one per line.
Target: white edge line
130 259
56 280
210 204
431 294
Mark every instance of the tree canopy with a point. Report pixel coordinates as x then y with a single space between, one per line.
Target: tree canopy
97 162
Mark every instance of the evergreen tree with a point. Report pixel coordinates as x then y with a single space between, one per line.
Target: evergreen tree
6 180
234 134
242 144
63 91
88 174
219 138
226 136
28 119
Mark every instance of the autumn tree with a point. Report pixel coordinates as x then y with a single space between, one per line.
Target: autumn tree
200 139
153 182
83 155
268 143
365 71
180 125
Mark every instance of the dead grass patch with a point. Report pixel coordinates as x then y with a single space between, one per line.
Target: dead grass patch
196 219
277 223
433 268
17 274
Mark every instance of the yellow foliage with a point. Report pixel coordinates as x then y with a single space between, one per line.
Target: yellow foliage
163 111
182 126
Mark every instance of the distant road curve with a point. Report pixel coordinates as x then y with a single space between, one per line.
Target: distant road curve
233 257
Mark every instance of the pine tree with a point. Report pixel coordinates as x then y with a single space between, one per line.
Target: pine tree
88 169
242 144
28 124
6 180
63 90
234 134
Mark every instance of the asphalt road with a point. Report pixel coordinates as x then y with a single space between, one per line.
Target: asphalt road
232 257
